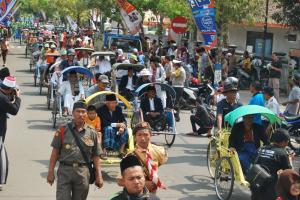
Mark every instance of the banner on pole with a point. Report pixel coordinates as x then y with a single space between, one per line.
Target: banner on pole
5 8
205 18
72 23
7 20
130 16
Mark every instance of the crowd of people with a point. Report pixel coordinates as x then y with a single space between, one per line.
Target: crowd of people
103 129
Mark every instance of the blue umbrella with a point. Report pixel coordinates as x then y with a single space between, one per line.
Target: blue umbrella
79 70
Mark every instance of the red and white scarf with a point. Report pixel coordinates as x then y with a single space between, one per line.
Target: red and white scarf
153 171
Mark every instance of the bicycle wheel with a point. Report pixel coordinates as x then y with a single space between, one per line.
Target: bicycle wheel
41 86
49 97
170 139
30 64
224 178
54 112
212 156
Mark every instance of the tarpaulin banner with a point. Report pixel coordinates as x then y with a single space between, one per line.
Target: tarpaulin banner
205 18
5 7
72 23
130 16
7 20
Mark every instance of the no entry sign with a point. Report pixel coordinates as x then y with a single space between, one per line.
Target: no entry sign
179 25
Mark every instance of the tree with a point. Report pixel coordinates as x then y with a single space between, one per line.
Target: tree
288 13
228 12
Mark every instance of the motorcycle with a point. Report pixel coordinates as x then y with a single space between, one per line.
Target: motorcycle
204 91
292 125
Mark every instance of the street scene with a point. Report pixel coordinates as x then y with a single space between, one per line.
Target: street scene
149 100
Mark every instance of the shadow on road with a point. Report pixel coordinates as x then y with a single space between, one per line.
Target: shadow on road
24 71
196 183
40 125
39 107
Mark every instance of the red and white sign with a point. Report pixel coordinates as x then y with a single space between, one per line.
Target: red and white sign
179 25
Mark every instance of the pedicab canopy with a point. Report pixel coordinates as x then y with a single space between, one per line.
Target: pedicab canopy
251 110
121 98
142 89
79 70
125 66
84 49
104 53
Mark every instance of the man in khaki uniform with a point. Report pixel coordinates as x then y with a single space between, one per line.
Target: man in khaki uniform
142 137
73 173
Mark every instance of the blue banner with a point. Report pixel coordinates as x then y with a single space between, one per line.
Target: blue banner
5 8
206 20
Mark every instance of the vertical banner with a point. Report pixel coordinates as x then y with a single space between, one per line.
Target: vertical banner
7 20
130 16
5 8
204 15
72 23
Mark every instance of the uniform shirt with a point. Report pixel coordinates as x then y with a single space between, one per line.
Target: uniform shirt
274 158
66 144
159 157
223 108
292 109
273 73
273 105
257 99
178 77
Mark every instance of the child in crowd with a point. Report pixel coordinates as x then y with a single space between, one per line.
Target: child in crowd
93 120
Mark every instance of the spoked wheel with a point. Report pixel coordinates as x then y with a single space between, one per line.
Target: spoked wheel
30 65
49 98
54 113
136 118
35 79
212 156
224 178
170 139
41 86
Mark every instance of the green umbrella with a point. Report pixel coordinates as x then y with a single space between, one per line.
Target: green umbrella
250 110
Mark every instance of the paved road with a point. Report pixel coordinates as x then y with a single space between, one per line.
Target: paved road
28 145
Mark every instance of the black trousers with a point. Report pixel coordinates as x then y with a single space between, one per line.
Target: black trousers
267 192
155 121
195 121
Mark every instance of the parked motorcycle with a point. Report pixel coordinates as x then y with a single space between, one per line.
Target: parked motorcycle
292 125
205 91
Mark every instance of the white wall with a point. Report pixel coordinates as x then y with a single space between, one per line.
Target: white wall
238 36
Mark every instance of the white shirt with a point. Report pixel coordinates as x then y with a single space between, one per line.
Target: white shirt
103 66
160 75
273 105
129 85
152 107
65 88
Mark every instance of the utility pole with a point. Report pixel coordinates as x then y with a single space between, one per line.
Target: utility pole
265 30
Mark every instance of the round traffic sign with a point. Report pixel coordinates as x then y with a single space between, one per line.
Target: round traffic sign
179 25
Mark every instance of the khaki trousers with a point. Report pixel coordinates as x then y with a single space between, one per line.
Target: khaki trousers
274 83
72 183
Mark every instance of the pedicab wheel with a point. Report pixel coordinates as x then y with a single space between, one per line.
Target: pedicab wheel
212 156
136 118
49 97
35 79
30 65
41 86
170 139
54 113
224 178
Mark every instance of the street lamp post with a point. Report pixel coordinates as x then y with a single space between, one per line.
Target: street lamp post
265 30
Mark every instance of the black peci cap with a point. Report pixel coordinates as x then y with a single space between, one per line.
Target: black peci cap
129 161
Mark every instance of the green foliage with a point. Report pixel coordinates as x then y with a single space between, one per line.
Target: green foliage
288 13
